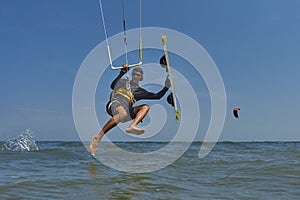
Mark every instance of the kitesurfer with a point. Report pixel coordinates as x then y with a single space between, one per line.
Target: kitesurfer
235 112
120 107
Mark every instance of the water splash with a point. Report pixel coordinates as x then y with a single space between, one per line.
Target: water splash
24 142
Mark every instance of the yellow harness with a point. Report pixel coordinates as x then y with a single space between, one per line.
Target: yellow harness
127 94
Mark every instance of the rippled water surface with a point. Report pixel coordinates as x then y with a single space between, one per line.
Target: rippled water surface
64 170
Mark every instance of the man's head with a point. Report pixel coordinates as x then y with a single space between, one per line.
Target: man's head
137 74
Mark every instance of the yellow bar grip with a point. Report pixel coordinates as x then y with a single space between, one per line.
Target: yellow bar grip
164 39
177 113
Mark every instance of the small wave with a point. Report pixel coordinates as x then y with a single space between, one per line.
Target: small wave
24 142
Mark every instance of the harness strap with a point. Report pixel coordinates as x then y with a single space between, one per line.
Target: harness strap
127 94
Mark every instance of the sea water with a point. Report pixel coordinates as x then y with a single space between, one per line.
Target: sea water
232 170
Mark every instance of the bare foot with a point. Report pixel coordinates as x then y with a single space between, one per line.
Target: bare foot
135 130
93 146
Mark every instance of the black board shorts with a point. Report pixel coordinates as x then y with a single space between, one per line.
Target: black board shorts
112 105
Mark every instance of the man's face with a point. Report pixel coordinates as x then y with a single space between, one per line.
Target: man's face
136 76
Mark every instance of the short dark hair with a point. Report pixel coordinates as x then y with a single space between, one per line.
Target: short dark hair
138 69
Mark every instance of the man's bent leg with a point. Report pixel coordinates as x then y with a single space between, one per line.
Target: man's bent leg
122 114
141 112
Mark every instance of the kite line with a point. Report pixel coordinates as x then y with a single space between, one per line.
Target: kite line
125 38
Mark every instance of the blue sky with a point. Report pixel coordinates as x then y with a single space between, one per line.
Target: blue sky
254 43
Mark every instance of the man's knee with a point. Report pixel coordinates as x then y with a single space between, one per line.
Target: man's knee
122 117
145 107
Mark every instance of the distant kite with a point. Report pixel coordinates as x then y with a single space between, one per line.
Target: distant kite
235 112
